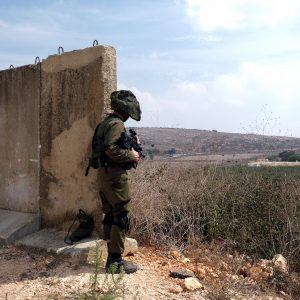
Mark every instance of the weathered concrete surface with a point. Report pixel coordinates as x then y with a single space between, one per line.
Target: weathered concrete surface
14 225
48 114
84 251
75 92
19 138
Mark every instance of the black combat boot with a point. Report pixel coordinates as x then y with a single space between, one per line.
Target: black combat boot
115 263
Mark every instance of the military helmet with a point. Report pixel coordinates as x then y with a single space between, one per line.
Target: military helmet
125 102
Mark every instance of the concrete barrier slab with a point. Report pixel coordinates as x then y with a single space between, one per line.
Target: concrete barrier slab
14 225
82 252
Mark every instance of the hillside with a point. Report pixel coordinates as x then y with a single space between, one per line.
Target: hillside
193 141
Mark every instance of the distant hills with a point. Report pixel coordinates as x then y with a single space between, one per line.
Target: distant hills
193 141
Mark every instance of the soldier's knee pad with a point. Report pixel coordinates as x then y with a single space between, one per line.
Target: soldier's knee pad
122 220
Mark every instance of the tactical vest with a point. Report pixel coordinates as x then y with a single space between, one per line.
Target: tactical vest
99 158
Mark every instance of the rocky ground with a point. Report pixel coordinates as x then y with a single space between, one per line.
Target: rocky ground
217 275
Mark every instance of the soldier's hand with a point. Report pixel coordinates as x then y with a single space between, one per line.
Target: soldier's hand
136 155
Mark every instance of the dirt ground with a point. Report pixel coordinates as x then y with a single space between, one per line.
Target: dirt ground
32 275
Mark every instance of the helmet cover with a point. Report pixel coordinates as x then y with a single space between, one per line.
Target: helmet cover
125 102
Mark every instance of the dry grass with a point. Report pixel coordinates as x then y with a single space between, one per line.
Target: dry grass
254 210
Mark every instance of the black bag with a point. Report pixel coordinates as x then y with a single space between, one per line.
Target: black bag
84 230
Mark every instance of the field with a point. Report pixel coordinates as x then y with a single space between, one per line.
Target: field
252 210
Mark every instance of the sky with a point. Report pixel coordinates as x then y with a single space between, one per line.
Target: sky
231 66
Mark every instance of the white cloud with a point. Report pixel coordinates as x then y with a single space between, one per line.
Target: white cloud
150 105
227 100
211 15
276 83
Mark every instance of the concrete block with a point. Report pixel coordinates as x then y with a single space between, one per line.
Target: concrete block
14 225
82 252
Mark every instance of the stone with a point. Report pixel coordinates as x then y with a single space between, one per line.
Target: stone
284 294
175 254
280 263
181 273
185 260
192 284
131 246
82 252
176 289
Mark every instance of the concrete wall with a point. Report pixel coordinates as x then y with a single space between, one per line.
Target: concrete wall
75 90
19 138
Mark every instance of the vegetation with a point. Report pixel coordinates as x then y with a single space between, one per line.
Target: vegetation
253 210
112 287
289 156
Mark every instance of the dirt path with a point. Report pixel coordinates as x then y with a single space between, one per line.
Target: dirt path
25 275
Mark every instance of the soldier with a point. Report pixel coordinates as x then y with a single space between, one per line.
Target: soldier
113 178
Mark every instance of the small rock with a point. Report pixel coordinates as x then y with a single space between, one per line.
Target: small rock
131 246
185 260
175 254
181 273
280 263
284 294
192 284
176 289
235 277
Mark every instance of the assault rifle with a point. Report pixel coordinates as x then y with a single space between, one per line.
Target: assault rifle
129 141
126 141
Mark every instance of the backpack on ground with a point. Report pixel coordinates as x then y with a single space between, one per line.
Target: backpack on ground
84 230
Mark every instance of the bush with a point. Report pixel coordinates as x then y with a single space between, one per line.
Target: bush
290 156
257 210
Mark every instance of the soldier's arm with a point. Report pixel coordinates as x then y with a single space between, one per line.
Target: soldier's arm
113 151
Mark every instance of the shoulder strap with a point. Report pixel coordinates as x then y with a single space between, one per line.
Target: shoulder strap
66 237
